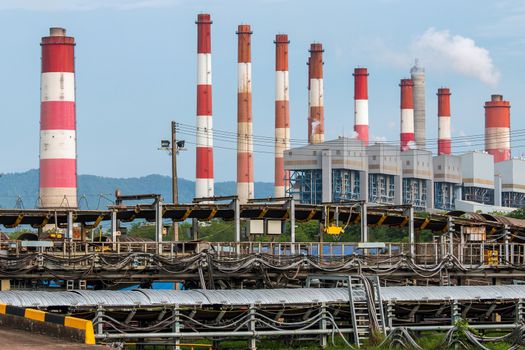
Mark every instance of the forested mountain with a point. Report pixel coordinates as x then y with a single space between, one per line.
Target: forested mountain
21 189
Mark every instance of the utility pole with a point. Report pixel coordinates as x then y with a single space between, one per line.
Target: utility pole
174 184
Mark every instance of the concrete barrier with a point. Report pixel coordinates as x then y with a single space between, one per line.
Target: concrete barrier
60 326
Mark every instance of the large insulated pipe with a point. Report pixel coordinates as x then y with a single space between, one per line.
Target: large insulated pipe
361 104
418 77
407 114
282 112
204 172
444 134
245 188
497 128
316 121
58 150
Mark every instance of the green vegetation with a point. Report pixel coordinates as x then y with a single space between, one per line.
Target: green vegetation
220 231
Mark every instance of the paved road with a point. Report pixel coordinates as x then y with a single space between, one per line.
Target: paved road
13 339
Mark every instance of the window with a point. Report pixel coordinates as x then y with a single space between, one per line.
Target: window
374 157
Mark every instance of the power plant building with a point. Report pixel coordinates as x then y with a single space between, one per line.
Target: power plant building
384 174
417 179
512 175
344 169
332 171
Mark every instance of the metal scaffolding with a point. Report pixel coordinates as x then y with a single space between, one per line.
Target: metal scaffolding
513 199
381 188
345 185
478 194
306 186
445 194
415 193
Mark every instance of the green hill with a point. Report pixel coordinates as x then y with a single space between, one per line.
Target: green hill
21 189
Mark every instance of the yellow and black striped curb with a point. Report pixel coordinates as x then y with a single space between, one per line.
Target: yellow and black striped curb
85 326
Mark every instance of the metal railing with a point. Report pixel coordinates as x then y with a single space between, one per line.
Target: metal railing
427 254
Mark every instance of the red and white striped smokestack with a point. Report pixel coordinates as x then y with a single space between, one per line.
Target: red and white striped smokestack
58 150
245 188
497 128
361 104
407 114
316 121
282 111
444 134
204 180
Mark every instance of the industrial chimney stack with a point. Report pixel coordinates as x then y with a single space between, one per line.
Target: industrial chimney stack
282 111
418 78
497 128
245 189
407 114
444 134
204 186
58 150
316 99
361 104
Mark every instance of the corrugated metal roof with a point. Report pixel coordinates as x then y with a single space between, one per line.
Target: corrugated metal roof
151 297
111 298
413 293
171 297
38 298
275 296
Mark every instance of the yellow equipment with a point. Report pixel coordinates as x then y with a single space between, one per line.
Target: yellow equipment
333 230
329 228
491 257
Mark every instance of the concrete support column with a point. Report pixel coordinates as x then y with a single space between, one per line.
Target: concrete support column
411 235
398 184
390 314
455 313
497 190
364 222
323 340
69 235
508 259
450 225
253 340
176 325
292 225
114 229
237 215
430 195
520 311
326 161
158 224
363 185
98 317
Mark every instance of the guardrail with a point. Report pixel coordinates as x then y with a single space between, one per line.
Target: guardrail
470 254
48 323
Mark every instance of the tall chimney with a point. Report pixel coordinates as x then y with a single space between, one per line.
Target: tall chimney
418 77
361 104
204 186
316 121
58 150
282 112
245 189
444 134
497 128
407 114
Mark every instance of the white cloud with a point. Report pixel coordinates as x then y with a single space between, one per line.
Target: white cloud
440 50
83 5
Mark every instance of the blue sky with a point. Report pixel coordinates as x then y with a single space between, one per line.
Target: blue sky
136 71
